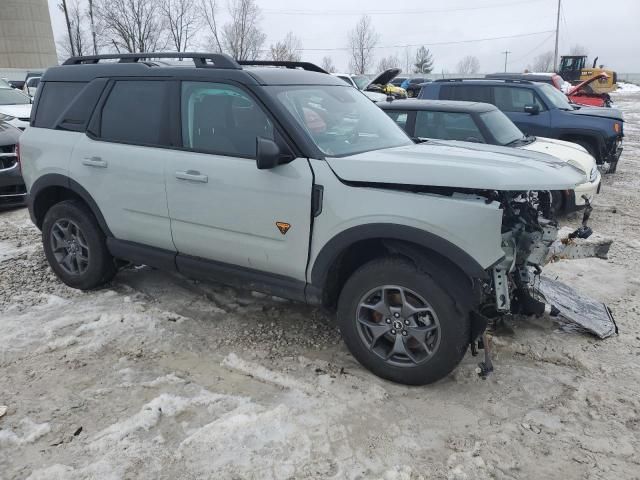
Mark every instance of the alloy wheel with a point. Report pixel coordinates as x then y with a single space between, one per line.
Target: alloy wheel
70 247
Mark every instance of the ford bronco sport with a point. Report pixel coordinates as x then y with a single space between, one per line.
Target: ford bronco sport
289 182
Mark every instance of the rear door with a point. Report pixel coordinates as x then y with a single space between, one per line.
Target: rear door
120 161
224 209
512 100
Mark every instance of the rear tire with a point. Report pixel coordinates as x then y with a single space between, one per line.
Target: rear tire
75 246
391 341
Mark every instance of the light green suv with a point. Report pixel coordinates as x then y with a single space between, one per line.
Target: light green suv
276 177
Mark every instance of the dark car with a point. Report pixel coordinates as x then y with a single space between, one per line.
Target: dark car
398 81
12 189
413 85
552 79
542 110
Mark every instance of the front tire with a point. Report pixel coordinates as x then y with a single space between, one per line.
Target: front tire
400 324
75 246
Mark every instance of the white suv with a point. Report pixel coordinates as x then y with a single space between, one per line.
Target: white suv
290 182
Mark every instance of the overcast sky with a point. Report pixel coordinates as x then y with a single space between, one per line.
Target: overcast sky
609 30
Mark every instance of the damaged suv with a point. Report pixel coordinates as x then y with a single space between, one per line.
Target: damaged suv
289 182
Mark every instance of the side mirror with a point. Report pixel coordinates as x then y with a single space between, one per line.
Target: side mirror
532 109
268 154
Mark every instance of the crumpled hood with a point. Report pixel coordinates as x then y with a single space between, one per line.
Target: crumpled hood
605 112
449 164
18 111
567 151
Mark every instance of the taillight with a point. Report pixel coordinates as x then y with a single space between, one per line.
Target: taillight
18 157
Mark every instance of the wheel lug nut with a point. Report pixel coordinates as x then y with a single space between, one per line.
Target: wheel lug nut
406 322
404 332
396 314
393 332
388 320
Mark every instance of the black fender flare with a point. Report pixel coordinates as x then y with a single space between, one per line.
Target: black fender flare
394 232
58 180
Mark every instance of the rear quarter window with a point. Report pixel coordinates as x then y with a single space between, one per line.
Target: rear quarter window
54 99
470 93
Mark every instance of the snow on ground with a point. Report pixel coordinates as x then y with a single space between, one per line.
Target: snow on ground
627 88
159 377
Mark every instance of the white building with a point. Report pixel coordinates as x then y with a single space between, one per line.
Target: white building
26 36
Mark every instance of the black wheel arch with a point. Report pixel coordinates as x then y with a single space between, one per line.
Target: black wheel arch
355 246
53 188
594 139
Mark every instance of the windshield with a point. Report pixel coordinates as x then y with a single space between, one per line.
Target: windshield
11 97
361 81
501 128
556 97
341 121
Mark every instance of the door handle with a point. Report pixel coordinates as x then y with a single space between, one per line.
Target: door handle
94 162
192 176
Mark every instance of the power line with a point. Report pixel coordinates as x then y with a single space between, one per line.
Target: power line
526 55
455 42
391 12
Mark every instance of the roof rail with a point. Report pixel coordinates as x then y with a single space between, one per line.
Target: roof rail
506 80
218 60
276 63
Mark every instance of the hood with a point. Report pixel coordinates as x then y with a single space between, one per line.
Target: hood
18 111
449 164
612 113
575 89
375 96
8 134
567 151
385 77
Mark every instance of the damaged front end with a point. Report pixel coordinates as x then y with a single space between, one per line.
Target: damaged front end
531 238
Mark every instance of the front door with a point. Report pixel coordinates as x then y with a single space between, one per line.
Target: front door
222 208
512 100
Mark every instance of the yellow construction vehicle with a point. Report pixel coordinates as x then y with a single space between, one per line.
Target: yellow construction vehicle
573 70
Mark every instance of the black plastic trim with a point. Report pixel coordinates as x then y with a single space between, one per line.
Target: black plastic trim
241 277
388 231
142 254
57 180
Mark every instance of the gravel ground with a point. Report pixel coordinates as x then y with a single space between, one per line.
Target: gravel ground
159 377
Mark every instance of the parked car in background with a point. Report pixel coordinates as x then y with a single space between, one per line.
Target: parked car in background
360 82
4 83
413 85
31 86
15 108
542 110
398 81
31 74
484 123
12 189
552 79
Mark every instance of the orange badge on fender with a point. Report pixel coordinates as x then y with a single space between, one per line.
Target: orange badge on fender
283 227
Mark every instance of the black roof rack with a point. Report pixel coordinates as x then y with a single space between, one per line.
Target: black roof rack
276 63
506 80
218 60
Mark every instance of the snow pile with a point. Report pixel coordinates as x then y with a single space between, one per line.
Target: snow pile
624 87
27 432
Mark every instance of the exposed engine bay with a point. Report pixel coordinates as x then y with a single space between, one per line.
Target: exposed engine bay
530 240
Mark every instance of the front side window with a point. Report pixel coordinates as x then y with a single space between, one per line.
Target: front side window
447 126
341 121
222 119
136 112
556 97
514 99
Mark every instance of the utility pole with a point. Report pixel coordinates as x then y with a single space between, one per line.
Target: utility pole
63 7
555 54
506 54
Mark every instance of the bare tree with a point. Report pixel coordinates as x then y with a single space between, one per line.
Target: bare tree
578 49
469 65
543 62
208 11
362 40
424 61
77 43
132 25
327 65
392 61
242 37
288 49
63 7
182 22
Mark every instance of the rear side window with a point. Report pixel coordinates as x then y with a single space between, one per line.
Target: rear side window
136 112
447 126
471 93
54 99
514 99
